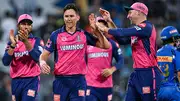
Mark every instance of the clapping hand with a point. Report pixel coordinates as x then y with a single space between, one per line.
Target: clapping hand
105 14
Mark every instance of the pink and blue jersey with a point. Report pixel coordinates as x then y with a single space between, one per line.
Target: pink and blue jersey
142 38
99 59
24 63
69 51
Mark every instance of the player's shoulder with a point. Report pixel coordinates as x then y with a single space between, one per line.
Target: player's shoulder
113 43
145 24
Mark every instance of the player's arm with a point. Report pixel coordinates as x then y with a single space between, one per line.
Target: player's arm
107 17
37 49
142 30
117 54
177 59
101 41
49 48
9 51
8 55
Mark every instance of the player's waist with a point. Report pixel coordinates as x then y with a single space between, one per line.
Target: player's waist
25 77
168 84
67 76
145 68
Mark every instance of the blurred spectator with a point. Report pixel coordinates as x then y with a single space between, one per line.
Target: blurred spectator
8 22
38 19
5 88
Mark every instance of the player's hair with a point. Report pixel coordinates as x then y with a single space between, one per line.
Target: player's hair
104 22
71 6
170 40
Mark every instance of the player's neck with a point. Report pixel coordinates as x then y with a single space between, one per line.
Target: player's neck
71 30
140 20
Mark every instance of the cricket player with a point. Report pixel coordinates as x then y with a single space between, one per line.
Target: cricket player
145 81
22 54
69 44
169 62
100 69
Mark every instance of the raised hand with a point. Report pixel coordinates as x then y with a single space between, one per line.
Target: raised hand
102 27
12 38
92 21
105 14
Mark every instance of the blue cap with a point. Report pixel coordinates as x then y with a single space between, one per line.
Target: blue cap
169 32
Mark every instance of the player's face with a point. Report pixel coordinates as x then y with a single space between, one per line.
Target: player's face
132 16
177 42
25 26
71 18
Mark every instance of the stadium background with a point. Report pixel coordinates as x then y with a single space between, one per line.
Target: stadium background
47 16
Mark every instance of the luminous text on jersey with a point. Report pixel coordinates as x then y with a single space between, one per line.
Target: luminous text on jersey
72 47
100 54
21 54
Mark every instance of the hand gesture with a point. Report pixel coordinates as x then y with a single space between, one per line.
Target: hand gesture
92 21
101 27
23 35
13 39
105 14
44 67
107 72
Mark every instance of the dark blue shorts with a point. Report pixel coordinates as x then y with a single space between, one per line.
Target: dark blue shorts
98 94
24 89
69 88
169 93
144 84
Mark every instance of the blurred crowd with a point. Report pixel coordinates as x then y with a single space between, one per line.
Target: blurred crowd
161 14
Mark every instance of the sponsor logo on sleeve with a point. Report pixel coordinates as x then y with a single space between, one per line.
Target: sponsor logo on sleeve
119 51
137 28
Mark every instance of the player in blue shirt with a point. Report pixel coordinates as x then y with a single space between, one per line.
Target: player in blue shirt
169 63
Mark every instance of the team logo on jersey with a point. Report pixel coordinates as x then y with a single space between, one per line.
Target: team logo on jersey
31 93
81 92
146 90
63 38
78 38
